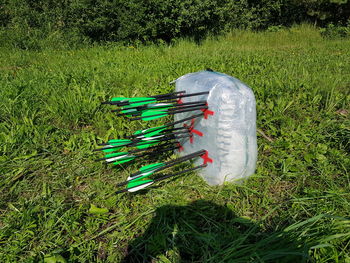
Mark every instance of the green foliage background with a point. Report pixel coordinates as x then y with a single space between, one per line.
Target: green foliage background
35 24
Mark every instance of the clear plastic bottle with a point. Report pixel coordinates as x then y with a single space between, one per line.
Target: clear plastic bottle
229 135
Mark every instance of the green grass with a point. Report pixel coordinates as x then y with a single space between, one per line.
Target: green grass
295 208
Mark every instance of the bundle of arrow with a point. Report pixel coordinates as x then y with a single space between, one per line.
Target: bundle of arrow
152 141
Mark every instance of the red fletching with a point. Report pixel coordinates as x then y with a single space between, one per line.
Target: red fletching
206 158
207 112
192 130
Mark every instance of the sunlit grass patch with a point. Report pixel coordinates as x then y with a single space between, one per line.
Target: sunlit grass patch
296 206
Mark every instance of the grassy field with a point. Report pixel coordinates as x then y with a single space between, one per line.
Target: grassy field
296 208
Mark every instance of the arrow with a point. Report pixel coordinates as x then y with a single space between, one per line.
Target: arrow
147 116
147 100
121 101
127 142
113 145
107 157
138 134
167 94
141 144
169 124
148 170
162 109
117 100
124 157
157 106
116 142
141 183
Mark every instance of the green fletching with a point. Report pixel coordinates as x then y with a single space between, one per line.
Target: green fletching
146 145
139 104
152 112
114 154
128 111
149 170
137 182
133 101
149 115
128 159
151 134
145 100
141 99
160 128
151 166
138 132
112 149
118 142
154 117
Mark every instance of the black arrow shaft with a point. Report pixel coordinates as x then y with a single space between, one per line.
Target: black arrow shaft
160 96
146 107
169 113
165 98
163 108
164 177
146 153
157 152
140 143
171 163
140 150
160 133
167 94
179 173
168 125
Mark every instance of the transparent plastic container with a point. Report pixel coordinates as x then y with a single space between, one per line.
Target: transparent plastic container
229 135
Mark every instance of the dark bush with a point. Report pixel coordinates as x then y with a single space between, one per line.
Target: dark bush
26 23
332 31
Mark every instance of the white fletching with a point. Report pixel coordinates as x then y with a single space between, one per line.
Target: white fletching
134 189
115 158
139 175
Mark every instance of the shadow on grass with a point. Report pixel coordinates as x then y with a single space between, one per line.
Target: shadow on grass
206 232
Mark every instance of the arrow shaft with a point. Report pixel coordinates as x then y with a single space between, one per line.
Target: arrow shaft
140 150
167 94
160 96
167 138
142 186
124 103
162 132
179 173
170 163
166 125
135 142
132 157
164 135
157 152
155 106
142 106
140 143
168 113
164 109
